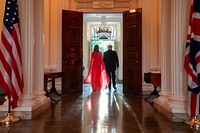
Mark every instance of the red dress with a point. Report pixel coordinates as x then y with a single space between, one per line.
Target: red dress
97 75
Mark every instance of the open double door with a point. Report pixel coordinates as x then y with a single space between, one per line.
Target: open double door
72 52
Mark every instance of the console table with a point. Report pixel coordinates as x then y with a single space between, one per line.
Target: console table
50 77
155 79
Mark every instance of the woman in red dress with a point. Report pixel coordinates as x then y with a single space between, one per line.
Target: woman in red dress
97 75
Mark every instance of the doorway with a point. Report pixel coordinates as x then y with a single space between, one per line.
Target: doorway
72 51
111 22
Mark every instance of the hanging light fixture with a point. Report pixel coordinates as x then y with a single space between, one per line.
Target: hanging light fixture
103 30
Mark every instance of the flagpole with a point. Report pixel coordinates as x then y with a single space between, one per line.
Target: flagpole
9 110
194 121
9 119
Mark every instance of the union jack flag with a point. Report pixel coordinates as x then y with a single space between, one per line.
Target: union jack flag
192 58
11 76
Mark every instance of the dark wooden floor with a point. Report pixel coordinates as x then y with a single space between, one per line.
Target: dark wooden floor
105 112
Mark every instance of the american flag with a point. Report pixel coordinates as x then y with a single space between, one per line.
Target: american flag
11 76
192 58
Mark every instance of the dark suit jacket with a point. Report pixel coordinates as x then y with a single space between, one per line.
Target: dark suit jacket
111 60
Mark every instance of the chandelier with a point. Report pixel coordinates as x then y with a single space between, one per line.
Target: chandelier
103 31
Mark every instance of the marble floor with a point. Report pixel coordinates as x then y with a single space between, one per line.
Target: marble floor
94 112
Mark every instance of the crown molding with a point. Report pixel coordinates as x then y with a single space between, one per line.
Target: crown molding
102 5
90 1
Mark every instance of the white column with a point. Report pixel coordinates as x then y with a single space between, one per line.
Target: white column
173 73
32 37
178 98
165 60
26 21
39 50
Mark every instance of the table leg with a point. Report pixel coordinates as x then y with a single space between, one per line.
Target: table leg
45 86
53 88
154 92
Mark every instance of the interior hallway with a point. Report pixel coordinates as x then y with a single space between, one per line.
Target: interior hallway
105 112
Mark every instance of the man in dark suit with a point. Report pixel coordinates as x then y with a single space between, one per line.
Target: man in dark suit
111 63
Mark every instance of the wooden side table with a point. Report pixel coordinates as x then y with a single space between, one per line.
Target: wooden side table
50 77
155 79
